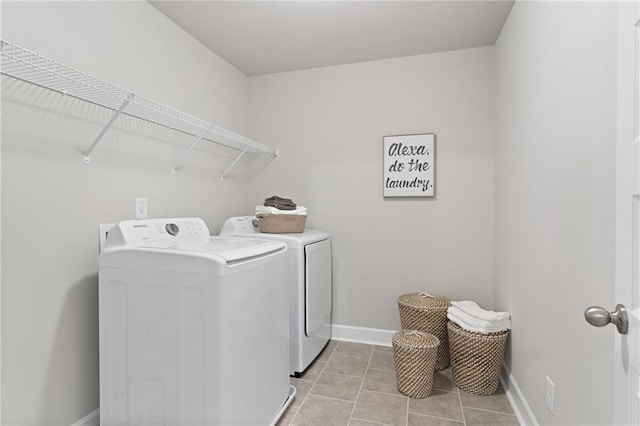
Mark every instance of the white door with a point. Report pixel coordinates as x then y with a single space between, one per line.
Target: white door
627 352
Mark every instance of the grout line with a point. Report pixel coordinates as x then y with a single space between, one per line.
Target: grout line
407 418
381 369
346 375
360 390
386 393
331 398
444 390
354 356
464 419
489 411
371 421
436 417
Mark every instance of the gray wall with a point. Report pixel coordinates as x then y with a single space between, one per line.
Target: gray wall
555 198
52 202
553 149
329 123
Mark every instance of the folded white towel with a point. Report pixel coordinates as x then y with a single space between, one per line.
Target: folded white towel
472 308
473 320
272 210
469 323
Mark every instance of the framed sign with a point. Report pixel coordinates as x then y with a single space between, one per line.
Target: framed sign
409 165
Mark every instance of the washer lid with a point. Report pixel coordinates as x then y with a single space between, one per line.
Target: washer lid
239 249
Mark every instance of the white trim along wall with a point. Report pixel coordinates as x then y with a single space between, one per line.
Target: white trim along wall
91 419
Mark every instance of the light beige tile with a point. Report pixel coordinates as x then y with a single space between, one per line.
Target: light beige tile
475 417
313 371
382 361
383 349
445 405
318 411
337 386
420 420
347 365
381 408
359 350
327 351
443 380
302 389
496 402
381 381
288 415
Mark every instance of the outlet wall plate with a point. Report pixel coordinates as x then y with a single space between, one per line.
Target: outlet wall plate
141 208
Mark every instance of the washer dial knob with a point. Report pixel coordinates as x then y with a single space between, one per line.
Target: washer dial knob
172 228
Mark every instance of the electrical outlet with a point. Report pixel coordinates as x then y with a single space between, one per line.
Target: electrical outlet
141 208
549 391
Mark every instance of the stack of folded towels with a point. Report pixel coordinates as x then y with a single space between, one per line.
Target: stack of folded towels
469 316
279 205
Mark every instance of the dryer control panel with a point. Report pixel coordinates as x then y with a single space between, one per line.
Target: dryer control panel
159 233
240 225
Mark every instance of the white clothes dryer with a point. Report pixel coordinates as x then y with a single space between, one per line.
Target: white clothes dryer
309 255
192 327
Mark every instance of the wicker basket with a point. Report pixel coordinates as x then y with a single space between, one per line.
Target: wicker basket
424 312
476 359
281 223
414 355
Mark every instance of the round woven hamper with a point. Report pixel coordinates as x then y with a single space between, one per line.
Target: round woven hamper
425 312
414 355
476 359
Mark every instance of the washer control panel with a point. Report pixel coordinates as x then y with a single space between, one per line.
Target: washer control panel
162 232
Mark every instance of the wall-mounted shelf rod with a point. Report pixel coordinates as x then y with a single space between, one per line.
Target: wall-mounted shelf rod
24 65
193 145
224 174
87 154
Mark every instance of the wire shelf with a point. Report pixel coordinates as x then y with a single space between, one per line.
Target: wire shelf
22 64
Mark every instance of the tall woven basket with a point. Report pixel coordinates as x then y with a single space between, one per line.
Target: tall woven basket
414 355
428 313
476 359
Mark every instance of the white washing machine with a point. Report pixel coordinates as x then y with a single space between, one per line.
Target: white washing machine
192 327
310 276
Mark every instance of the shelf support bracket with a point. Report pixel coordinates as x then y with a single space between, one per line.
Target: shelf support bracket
224 174
87 154
186 154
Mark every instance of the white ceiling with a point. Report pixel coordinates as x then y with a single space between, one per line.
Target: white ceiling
263 37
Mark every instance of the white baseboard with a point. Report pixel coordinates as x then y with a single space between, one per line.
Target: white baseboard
371 336
91 419
516 398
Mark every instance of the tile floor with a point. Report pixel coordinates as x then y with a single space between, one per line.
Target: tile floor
352 384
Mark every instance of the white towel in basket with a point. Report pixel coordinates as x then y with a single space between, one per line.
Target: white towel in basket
272 210
473 309
472 323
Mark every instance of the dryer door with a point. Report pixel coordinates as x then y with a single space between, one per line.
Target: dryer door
318 288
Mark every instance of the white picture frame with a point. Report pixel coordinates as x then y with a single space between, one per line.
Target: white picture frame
409 165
